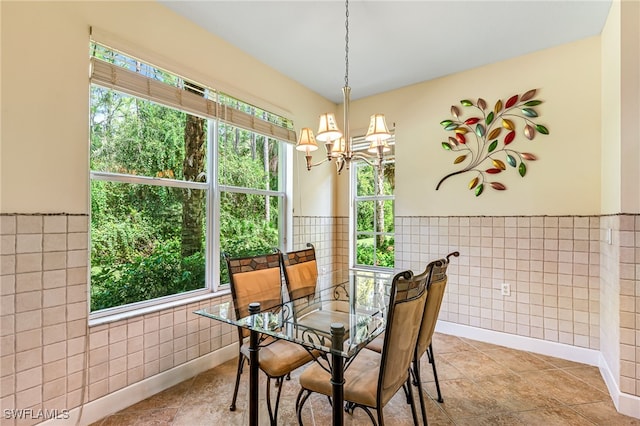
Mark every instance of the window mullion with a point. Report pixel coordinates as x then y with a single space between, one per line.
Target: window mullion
213 214
146 180
243 190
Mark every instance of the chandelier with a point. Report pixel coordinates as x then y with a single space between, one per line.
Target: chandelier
339 145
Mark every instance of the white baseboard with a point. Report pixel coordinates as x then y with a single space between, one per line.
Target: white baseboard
121 399
626 404
543 347
610 381
629 405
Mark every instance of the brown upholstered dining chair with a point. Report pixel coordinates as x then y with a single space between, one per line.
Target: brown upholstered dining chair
301 272
311 305
436 273
258 279
372 378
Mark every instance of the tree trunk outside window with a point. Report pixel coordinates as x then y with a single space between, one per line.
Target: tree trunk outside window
194 170
379 188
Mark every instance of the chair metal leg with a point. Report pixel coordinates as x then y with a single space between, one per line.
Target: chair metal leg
380 417
369 413
413 373
404 388
413 404
300 401
353 406
298 398
418 379
432 360
273 414
241 359
269 398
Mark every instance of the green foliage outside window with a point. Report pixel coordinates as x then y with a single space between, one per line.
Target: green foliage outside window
249 223
374 215
382 255
136 229
149 237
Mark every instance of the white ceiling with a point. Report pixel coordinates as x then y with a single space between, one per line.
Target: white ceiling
392 43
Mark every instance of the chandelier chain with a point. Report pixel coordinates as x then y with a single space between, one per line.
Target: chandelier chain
338 144
346 45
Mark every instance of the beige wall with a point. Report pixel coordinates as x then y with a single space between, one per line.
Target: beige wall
610 138
45 113
621 109
568 81
630 106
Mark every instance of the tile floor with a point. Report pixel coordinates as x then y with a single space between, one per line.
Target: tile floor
482 384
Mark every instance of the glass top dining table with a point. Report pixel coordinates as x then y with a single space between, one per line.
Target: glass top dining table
333 324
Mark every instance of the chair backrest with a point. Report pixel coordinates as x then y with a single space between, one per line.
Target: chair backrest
255 279
406 305
301 272
437 282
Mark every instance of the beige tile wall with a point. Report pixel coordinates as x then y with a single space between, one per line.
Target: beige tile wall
551 263
611 317
44 310
44 317
622 296
330 237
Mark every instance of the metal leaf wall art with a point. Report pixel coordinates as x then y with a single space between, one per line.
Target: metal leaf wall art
484 141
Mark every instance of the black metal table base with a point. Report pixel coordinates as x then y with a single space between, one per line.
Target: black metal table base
337 371
337 374
254 369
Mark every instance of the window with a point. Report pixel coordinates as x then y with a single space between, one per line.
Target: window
373 212
176 169
252 197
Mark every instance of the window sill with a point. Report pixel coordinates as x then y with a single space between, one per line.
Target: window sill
94 322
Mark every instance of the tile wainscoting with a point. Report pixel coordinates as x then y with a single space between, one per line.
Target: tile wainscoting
620 296
550 263
330 237
569 285
574 279
45 337
45 334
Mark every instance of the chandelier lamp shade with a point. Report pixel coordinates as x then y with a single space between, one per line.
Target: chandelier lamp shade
339 144
306 141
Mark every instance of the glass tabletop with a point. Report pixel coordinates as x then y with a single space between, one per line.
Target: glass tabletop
358 304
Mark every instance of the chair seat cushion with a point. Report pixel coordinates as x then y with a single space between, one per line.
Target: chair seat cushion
360 379
279 357
322 320
376 344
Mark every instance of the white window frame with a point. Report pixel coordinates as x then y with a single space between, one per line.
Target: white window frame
213 190
360 145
